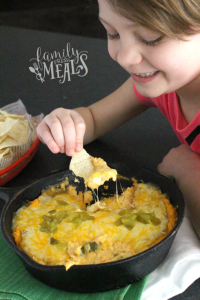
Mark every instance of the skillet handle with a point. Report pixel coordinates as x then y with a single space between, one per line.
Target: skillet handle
7 193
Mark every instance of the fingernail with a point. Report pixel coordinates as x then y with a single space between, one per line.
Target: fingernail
79 147
70 152
55 149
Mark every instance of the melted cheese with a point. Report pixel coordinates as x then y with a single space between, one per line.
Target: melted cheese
101 173
95 171
80 227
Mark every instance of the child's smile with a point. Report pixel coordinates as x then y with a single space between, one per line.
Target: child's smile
144 77
158 64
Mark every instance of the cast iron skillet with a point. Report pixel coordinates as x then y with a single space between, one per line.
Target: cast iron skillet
91 278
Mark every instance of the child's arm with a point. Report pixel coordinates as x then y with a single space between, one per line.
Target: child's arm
184 165
63 129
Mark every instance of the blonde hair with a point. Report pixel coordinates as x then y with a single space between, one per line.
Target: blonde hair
173 18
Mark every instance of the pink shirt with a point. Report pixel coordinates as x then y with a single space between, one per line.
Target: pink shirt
169 106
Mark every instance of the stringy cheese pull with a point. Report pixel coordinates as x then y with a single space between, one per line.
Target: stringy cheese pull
96 206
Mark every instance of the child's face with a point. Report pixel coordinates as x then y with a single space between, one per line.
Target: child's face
158 64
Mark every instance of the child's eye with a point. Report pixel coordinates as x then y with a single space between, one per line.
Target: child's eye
151 43
112 36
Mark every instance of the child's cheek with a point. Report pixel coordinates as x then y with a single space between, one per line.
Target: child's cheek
112 50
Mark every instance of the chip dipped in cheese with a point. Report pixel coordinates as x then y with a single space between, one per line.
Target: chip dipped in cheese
95 171
62 227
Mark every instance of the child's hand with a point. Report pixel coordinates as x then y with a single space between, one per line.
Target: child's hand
184 165
62 131
179 162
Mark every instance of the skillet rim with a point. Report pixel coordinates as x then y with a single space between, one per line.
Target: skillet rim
38 266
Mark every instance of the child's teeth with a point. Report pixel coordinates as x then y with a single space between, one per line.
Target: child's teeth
146 74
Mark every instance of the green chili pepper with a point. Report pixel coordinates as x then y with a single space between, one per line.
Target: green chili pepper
90 247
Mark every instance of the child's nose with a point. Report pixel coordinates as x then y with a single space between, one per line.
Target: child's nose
129 55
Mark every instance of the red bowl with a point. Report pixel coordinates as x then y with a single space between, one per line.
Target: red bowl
10 172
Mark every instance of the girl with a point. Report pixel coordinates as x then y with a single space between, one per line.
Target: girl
158 43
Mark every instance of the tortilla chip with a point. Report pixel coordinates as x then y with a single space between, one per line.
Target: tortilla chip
4 153
94 171
2 137
14 130
19 132
5 114
81 164
7 125
8 142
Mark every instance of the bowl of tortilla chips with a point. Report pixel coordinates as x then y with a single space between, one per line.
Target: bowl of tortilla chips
11 171
18 139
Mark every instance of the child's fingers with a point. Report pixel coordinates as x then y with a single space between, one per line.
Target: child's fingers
45 136
73 129
54 125
80 130
69 135
62 130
